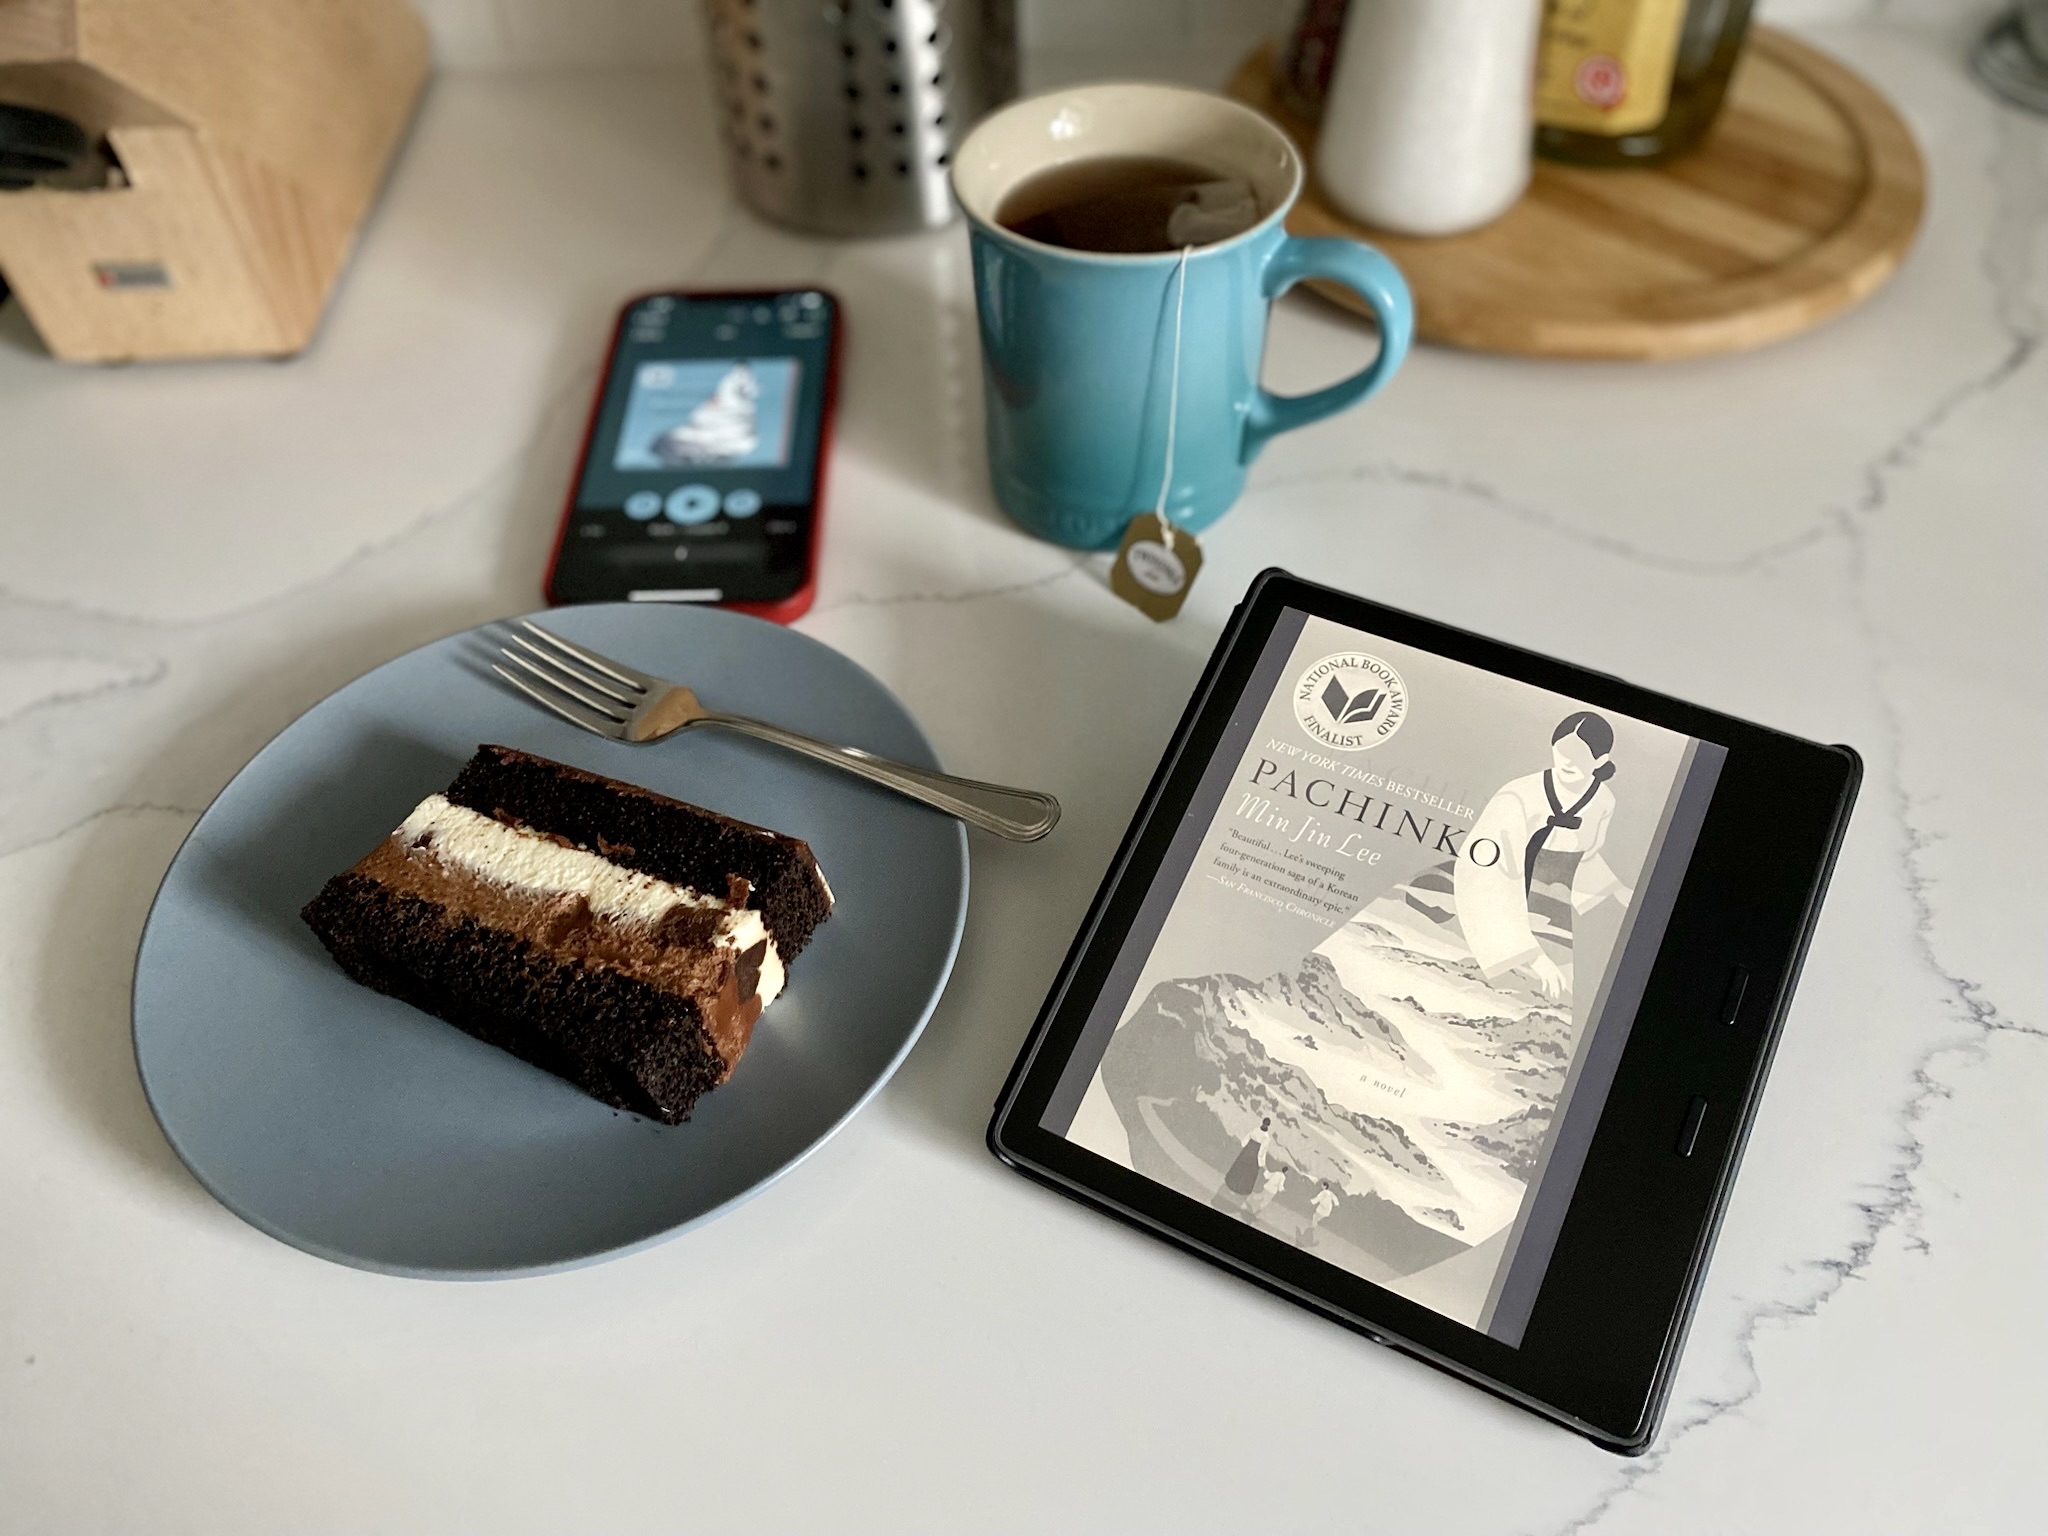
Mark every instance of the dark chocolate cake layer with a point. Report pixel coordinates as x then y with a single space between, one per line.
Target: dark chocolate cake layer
633 1045
669 839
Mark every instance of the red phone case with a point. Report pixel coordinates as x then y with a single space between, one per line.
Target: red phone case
798 603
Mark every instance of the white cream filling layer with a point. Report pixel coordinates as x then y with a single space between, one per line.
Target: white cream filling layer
528 861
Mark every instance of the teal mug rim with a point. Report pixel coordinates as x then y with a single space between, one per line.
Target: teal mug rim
1297 181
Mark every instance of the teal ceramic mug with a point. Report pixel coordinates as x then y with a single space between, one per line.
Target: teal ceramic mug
1078 347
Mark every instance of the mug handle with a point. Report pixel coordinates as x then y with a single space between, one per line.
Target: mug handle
1373 278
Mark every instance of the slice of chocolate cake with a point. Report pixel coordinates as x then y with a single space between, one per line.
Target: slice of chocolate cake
616 937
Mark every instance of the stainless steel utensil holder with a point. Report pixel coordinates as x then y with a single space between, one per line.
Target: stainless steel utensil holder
840 116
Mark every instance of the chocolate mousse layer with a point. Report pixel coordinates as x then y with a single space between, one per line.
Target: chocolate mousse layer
588 959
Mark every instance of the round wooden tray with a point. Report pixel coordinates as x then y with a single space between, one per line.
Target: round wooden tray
1801 202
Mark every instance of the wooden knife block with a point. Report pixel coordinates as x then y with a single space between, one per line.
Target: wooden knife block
250 136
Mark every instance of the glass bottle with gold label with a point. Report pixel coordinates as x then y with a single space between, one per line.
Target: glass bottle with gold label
1633 82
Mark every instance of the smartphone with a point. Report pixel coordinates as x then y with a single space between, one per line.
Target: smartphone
702 475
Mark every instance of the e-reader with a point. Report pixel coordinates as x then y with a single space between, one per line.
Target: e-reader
1433 987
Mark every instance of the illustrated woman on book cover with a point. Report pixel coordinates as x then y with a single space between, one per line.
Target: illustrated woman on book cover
1469 967
1416 1056
1532 861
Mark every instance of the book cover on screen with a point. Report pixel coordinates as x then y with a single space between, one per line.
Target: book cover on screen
1379 988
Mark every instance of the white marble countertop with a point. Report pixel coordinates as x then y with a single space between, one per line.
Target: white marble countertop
1845 536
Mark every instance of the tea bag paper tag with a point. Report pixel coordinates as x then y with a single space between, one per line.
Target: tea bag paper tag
1215 210
1155 566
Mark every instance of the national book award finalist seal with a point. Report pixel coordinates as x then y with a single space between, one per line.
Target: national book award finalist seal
1350 701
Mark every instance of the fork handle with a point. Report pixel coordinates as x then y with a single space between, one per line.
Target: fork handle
1021 815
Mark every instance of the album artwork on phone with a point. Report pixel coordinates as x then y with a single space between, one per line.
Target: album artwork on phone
723 413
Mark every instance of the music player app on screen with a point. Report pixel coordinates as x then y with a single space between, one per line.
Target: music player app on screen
1375 999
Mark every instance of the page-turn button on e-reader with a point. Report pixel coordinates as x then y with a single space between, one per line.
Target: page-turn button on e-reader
1731 999
1689 1128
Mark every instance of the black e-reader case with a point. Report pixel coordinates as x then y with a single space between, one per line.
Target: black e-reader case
1603 1339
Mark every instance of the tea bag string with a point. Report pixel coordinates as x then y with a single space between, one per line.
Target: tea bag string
1180 302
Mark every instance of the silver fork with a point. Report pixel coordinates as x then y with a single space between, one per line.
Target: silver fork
612 699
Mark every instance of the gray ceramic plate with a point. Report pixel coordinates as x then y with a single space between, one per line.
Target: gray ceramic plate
364 1131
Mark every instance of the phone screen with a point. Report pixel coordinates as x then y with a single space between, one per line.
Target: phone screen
701 476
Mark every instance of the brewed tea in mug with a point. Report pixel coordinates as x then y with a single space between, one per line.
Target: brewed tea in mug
1130 205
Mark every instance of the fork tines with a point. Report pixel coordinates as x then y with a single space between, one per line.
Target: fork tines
584 689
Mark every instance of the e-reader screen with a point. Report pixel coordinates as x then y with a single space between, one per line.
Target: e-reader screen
1373 1002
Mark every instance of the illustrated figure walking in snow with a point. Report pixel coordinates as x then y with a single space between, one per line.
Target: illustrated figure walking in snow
1244 1174
1271 1188
1319 1208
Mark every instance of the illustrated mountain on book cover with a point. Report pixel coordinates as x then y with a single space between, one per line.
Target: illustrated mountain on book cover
1358 1060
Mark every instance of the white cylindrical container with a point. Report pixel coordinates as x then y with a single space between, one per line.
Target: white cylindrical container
1431 112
